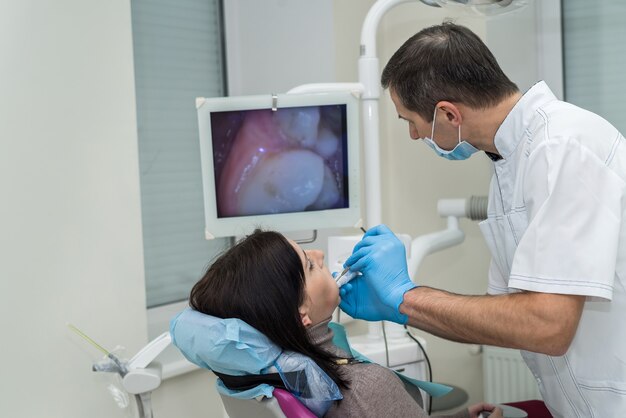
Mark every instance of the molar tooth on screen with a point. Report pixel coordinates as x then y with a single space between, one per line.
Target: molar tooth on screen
282 161
299 125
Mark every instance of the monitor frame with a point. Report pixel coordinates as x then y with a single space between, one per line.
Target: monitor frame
283 222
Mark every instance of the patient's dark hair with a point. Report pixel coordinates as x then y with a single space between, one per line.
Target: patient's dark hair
261 281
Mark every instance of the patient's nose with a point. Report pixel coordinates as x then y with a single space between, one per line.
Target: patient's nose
318 256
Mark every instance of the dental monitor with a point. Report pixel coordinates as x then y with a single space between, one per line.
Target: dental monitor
284 162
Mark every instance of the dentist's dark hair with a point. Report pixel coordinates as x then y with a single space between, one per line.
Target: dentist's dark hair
261 281
446 62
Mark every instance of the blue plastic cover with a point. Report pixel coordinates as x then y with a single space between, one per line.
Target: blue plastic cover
230 346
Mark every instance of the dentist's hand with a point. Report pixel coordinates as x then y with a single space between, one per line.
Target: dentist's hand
378 293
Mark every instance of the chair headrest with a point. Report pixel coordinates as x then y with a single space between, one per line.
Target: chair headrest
222 344
232 347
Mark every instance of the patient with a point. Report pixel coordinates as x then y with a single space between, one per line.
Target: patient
289 295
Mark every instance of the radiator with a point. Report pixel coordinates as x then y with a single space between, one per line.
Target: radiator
506 377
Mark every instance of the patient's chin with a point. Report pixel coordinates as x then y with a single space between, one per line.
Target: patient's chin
334 300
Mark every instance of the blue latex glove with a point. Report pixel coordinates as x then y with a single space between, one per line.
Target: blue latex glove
378 293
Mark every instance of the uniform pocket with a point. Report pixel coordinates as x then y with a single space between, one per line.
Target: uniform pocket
518 223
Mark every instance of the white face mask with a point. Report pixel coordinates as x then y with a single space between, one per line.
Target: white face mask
462 151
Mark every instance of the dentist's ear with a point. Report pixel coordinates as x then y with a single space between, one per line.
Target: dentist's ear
453 115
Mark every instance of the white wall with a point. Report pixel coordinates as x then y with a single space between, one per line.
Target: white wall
70 239
516 32
275 45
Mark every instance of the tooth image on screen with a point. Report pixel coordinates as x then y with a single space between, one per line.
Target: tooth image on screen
299 125
276 187
289 160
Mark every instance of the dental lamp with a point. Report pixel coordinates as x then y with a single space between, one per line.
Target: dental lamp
479 7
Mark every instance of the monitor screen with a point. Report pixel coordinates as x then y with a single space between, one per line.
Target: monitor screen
288 162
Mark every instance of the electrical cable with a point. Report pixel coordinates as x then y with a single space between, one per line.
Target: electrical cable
146 404
141 412
386 346
430 370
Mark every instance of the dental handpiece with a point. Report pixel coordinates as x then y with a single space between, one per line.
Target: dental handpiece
345 276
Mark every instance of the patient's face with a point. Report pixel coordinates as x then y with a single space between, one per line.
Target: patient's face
322 293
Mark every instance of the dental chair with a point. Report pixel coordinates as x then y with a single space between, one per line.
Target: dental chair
282 405
255 377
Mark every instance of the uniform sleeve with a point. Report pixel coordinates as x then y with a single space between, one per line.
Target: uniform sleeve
574 211
497 283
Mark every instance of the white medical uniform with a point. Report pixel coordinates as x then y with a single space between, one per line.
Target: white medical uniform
557 224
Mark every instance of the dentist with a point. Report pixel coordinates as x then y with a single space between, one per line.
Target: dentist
556 224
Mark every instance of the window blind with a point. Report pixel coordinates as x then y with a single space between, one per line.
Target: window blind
595 57
178 56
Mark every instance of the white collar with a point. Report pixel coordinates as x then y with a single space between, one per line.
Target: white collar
510 131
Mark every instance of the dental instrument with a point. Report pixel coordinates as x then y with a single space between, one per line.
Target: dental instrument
345 276
117 366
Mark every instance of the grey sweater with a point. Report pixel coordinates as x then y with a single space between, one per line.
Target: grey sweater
375 391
